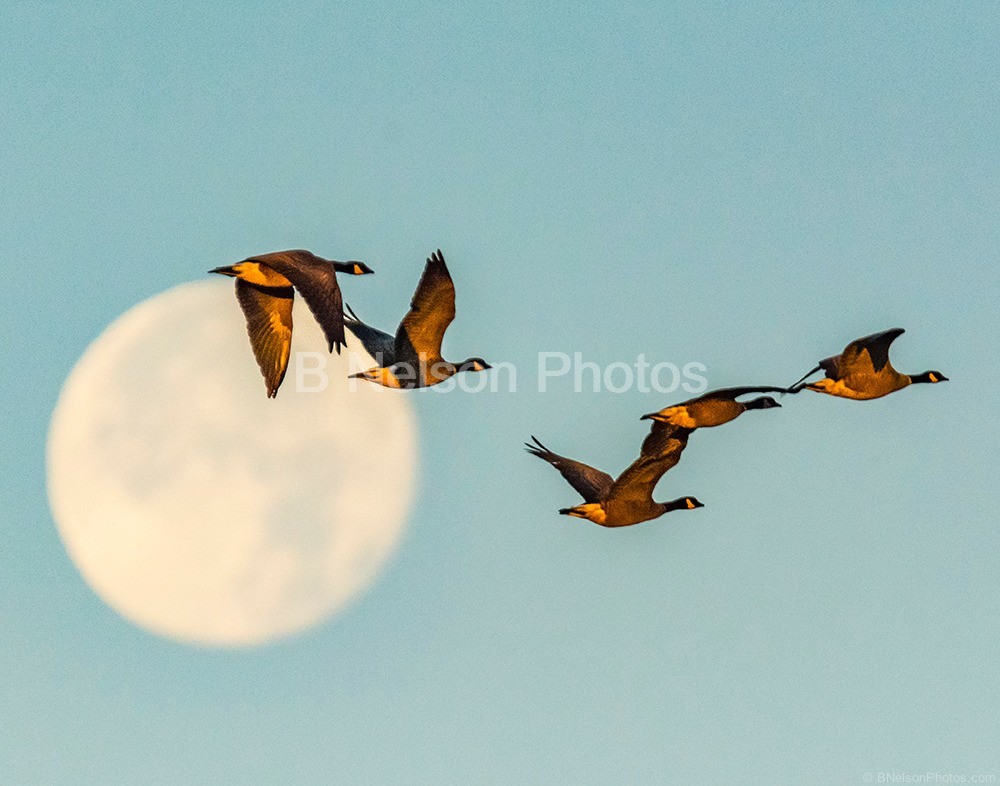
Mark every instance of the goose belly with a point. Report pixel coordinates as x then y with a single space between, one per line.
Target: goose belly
713 413
622 514
861 387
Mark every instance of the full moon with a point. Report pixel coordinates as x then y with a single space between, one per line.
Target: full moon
205 512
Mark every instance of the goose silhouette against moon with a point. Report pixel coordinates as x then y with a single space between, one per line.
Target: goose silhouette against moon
202 510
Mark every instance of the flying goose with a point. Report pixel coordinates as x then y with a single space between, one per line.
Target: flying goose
413 358
863 371
627 500
714 408
264 289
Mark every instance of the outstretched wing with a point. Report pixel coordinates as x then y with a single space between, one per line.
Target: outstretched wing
316 280
662 439
867 355
269 324
432 309
377 343
592 484
731 394
637 482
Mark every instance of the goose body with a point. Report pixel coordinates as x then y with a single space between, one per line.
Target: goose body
863 371
714 408
412 358
627 500
265 290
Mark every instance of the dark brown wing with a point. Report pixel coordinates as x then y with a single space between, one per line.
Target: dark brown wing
731 394
592 484
432 309
865 355
269 324
637 482
316 280
661 439
377 343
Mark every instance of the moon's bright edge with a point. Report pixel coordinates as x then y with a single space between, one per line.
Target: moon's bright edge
200 509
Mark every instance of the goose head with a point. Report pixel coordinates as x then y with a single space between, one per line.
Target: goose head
684 503
474 364
352 268
929 376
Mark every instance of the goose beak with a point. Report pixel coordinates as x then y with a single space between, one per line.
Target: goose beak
653 416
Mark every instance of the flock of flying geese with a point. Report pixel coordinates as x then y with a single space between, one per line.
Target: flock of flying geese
265 288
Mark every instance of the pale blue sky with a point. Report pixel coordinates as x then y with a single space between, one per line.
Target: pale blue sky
747 186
